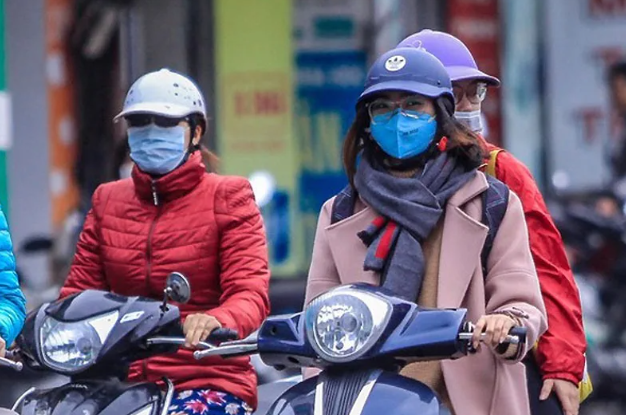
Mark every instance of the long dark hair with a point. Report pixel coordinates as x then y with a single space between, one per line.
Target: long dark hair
463 144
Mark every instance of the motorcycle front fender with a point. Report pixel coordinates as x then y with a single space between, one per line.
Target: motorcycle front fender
375 393
93 398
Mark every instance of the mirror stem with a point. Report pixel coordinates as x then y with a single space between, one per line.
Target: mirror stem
166 294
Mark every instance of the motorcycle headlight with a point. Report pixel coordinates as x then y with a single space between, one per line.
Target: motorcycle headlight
72 347
345 323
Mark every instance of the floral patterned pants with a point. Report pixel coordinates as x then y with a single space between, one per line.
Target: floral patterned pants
207 402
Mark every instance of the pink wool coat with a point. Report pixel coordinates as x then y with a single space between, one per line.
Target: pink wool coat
479 384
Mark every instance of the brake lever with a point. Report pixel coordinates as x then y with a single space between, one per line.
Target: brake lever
227 349
246 346
509 338
177 341
17 366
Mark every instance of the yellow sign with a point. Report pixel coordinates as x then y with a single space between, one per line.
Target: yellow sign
254 77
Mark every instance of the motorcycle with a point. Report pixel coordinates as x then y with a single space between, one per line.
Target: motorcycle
360 336
92 337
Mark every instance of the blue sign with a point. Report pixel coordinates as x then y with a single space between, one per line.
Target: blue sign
328 86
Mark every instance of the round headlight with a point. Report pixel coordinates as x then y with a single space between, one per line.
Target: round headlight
344 324
73 346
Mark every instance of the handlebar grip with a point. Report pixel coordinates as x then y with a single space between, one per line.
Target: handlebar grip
520 333
222 334
11 354
517 335
17 366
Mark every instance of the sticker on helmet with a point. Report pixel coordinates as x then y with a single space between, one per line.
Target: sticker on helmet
395 63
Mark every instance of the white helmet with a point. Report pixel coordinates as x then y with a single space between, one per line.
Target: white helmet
164 93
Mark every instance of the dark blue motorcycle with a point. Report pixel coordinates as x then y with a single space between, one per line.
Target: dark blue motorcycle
361 337
92 338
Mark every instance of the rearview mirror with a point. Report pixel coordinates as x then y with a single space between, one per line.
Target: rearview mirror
177 288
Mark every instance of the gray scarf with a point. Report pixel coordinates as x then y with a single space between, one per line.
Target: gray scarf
409 210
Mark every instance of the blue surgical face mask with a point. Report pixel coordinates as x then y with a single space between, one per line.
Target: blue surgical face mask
157 150
404 135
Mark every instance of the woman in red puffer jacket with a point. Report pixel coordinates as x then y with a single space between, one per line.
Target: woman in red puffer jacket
172 215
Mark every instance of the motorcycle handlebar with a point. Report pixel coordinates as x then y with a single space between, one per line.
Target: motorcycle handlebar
517 335
217 336
17 366
248 346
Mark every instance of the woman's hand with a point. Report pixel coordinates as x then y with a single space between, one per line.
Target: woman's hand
566 391
496 328
3 347
197 327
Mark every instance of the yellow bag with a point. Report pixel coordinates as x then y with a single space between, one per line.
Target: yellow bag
491 166
585 387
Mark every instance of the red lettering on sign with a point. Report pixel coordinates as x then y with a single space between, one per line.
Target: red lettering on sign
591 117
256 103
477 24
269 103
611 8
243 105
608 55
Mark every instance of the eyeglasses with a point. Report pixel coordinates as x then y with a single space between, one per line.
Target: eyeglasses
382 110
475 92
141 120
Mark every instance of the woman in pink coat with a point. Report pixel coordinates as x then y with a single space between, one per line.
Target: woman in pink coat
416 229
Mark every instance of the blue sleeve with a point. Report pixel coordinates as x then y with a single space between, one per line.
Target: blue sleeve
12 301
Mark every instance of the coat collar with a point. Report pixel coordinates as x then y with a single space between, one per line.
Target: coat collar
462 241
171 186
475 186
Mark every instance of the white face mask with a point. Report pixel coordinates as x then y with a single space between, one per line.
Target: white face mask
126 170
470 119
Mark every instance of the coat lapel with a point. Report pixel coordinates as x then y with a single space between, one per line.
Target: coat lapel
348 250
461 245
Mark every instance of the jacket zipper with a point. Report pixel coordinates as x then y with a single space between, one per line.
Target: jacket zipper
155 199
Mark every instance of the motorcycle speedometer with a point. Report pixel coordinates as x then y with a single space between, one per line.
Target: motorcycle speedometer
71 347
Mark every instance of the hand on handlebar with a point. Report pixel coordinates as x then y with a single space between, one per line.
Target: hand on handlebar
198 327
496 328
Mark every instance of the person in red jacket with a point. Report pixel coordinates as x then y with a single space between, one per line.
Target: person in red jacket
172 215
560 353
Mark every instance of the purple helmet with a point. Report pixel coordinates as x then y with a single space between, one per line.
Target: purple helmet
453 53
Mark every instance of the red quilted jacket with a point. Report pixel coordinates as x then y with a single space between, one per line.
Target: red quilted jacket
561 349
203 225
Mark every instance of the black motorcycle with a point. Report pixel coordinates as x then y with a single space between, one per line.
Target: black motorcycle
93 337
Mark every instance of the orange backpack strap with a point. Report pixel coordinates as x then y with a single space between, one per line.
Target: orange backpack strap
491 165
